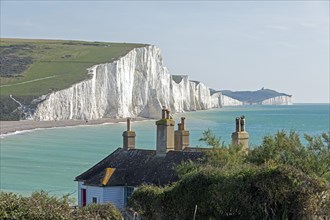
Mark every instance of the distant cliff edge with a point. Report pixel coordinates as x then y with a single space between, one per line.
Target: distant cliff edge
259 97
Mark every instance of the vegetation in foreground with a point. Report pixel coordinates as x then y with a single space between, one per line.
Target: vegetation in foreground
280 179
41 206
32 68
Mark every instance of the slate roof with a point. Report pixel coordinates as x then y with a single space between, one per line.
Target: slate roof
137 166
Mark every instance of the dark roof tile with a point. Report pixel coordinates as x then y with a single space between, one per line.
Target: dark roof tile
136 167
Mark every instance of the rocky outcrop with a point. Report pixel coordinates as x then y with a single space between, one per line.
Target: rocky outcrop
279 100
135 85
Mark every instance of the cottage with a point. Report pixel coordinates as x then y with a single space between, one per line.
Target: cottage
114 178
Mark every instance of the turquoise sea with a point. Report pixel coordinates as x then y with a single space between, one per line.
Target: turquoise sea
49 159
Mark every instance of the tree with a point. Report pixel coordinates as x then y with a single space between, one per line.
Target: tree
318 155
221 155
286 148
211 140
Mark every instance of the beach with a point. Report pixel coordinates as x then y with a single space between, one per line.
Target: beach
14 126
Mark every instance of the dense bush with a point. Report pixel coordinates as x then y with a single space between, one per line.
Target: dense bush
281 179
38 206
42 206
250 192
147 201
8 110
97 211
11 110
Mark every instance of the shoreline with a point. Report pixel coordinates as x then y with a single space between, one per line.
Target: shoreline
12 127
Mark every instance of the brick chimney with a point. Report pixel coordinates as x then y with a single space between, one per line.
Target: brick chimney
240 136
165 133
128 137
181 136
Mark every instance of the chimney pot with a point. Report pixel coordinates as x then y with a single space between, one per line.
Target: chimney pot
163 113
128 137
181 137
179 126
240 137
167 114
128 124
238 125
182 123
242 122
165 133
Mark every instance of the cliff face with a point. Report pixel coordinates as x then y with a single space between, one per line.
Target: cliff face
228 101
279 100
135 85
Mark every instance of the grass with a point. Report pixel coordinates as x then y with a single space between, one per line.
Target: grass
57 64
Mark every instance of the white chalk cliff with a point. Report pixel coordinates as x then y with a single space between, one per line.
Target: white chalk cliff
278 100
228 101
134 85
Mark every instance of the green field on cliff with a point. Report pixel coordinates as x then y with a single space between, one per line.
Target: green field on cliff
36 67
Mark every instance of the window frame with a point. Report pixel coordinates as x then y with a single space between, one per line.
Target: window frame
94 200
128 190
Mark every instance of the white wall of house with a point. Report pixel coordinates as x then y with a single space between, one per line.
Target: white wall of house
91 191
96 192
114 194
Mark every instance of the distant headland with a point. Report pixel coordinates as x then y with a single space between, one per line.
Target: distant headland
260 97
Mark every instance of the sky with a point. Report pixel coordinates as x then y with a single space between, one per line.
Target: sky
235 45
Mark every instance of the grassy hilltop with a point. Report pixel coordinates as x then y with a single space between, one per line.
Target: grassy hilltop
31 68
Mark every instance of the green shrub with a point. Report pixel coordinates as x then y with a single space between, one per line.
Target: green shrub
146 200
42 206
38 206
97 211
10 206
266 192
